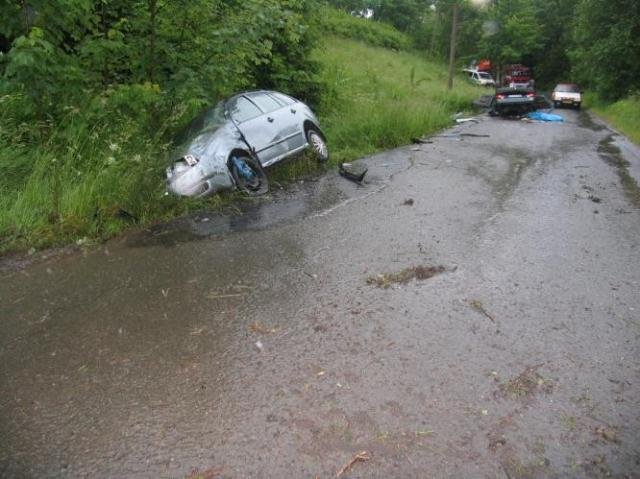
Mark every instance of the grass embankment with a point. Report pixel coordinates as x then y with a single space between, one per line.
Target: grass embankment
379 98
75 188
623 114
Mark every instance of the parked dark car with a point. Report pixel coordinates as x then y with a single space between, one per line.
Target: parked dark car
568 94
229 144
513 101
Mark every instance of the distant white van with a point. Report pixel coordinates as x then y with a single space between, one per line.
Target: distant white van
480 78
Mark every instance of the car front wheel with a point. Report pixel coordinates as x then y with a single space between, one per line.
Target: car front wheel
317 144
248 174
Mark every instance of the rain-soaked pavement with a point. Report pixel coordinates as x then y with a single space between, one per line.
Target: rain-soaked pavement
252 345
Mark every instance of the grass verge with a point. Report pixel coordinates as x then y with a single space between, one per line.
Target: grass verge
379 99
624 114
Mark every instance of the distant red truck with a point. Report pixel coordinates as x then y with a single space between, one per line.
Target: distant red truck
517 76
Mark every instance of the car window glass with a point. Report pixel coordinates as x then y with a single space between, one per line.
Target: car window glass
241 109
265 102
567 88
286 100
208 120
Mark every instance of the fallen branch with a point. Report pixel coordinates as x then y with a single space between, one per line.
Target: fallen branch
361 456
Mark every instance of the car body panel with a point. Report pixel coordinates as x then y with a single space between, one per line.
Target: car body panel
270 125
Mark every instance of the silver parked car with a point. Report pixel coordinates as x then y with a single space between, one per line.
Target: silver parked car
230 143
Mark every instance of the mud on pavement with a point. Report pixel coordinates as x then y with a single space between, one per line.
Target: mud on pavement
252 346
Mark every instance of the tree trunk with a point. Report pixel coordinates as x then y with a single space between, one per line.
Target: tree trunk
452 46
153 11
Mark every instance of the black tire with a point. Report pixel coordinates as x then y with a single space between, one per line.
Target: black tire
258 185
317 144
577 106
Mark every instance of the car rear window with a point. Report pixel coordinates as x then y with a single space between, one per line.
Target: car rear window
566 88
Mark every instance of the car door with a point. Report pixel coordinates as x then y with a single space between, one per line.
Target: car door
292 119
256 125
283 119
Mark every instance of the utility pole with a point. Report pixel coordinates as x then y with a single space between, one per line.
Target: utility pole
452 46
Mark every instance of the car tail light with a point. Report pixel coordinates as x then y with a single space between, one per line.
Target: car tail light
531 95
499 97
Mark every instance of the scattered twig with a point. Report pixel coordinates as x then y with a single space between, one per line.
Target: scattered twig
213 295
403 277
361 456
477 306
257 327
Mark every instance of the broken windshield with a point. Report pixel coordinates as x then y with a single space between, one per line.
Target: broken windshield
209 120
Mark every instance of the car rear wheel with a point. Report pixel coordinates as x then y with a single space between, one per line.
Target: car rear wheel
317 144
248 174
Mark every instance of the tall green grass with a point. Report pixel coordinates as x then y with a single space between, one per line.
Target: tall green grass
623 114
340 23
379 99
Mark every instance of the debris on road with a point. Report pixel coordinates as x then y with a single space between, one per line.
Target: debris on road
420 141
385 280
527 384
259 346
477 305
595 199
607 433
257 327
542 116
214 295
210 473
360 457
459 135
408 202
352 172
467 120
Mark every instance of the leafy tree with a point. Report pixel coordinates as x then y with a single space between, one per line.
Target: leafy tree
551 60
605 53
511 32
405 15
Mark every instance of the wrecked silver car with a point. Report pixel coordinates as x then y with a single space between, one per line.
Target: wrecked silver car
228 145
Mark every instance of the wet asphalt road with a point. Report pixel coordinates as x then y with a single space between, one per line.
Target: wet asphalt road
251 345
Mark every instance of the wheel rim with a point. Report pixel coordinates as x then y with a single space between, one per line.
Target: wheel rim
254 183
318 145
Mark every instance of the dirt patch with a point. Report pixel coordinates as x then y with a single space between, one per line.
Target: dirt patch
526 384
534 469
420 273
585 121
612 155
